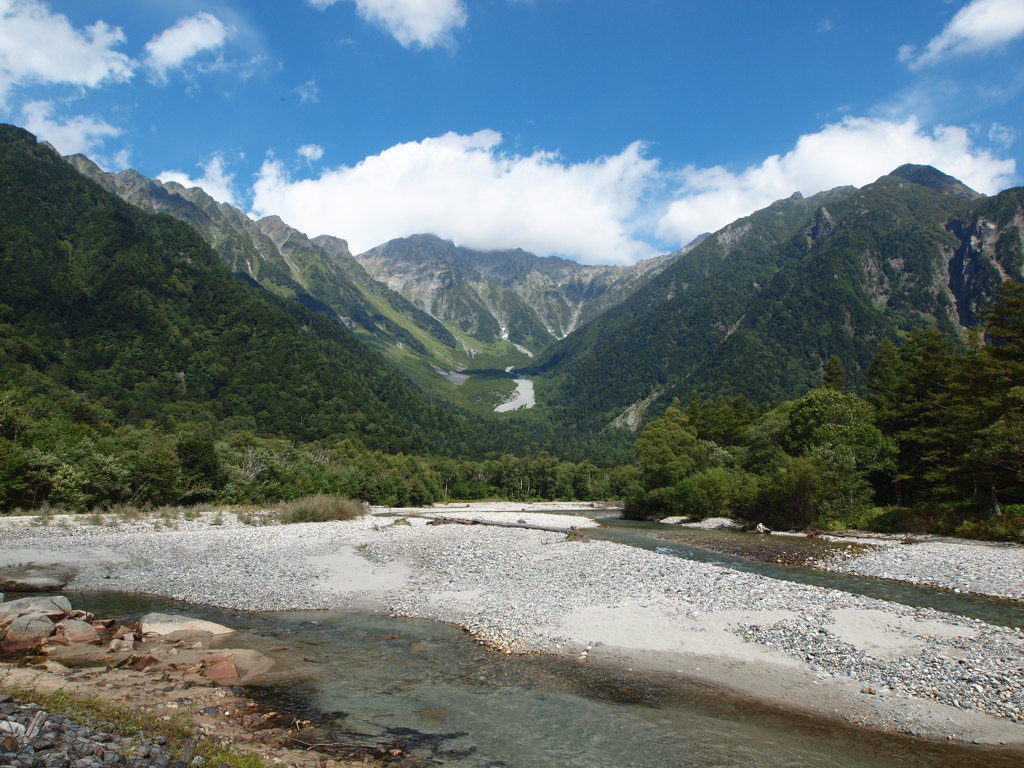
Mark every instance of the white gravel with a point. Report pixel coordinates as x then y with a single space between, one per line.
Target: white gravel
529 590
980 567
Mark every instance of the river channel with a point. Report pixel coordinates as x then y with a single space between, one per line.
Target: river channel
451 702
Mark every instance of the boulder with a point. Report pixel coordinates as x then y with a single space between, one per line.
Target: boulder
168 624
26 631
35 578
53 606
77 631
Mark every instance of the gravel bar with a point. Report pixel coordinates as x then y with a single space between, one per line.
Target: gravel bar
981 568
516 590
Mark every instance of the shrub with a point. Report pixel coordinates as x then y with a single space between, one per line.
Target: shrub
320 508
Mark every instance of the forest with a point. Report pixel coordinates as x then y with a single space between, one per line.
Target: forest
935 444
137 369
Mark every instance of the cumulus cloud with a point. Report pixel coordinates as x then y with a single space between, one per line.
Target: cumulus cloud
39 46
77 134
215 181
462 187
980 25
187 38
413 23
312 152
855 151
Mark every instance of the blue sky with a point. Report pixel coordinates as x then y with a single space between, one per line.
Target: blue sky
601 130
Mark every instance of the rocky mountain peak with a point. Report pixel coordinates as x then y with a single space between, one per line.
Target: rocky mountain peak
933 178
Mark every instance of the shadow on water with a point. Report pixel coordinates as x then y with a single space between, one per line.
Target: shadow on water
449 701
683 542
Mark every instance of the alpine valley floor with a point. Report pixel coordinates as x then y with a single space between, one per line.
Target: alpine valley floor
812 649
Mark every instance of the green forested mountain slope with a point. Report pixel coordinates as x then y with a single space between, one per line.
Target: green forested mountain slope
137 316
758 307
320 273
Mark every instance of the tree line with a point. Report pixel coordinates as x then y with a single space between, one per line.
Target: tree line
936 443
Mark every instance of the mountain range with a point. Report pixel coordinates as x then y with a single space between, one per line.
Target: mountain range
754 309
757 308
433 308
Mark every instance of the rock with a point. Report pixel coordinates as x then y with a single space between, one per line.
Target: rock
715 524
146 661
35 578
118 644
167 624
78 631
220 671
54 607
26 631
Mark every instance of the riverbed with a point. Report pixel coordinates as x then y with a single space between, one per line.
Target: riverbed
523 397
597 606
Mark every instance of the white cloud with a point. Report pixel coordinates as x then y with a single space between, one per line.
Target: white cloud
855 151
309 92
413 23
980 25
311 152
464 188
38 46
1003 136
187 38
215 181
77 134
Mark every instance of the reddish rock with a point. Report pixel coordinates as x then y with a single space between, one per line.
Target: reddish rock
77 631
27 631
146 661
221 671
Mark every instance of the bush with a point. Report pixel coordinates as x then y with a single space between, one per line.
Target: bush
320 508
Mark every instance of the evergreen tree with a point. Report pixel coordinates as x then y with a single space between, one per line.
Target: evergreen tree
834 376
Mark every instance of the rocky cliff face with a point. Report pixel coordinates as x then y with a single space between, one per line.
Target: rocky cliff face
515 295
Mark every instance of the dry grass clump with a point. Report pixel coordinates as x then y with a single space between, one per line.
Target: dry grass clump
320 508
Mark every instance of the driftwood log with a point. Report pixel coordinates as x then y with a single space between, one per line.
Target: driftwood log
471 521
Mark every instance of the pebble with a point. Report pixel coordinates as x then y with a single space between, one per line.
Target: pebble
33 738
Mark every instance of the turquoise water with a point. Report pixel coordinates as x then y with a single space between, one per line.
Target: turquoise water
450 702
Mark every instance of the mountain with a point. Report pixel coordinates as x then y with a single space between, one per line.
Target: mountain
321 274
515 295
758 307
134 319
429 307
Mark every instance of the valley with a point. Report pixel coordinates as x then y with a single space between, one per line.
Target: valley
181 381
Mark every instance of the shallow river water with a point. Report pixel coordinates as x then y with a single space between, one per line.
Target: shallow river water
451 702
